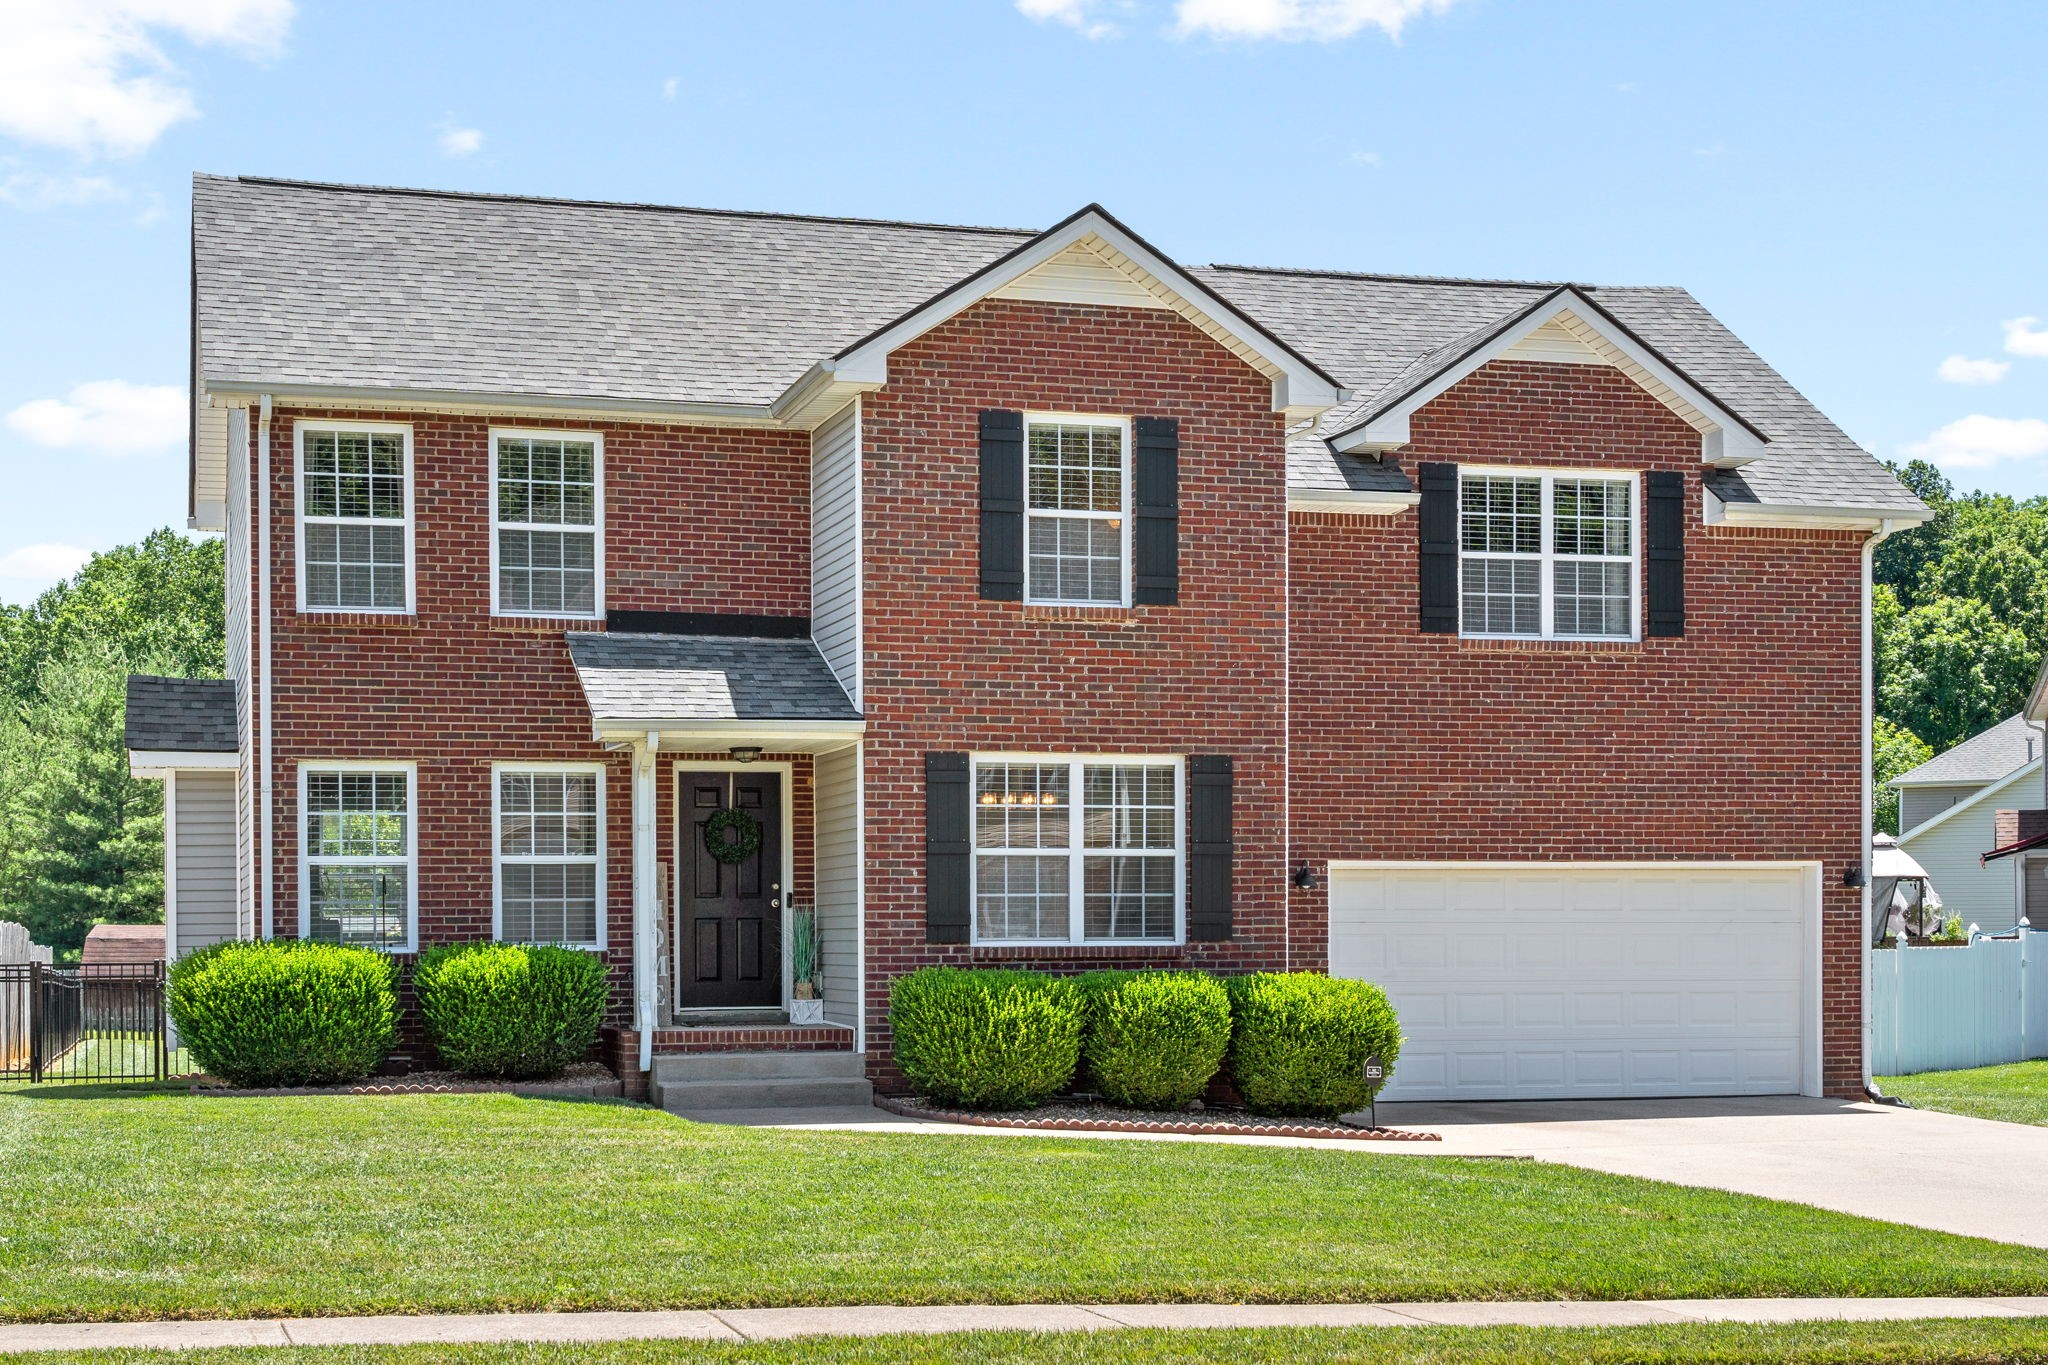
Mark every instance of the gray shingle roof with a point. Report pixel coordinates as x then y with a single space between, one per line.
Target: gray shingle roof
180 715
1998 752
650 678
375 288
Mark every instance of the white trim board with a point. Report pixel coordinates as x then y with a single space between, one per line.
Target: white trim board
674 909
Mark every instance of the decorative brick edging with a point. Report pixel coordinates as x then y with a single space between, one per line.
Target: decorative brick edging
575 1088
1211 1127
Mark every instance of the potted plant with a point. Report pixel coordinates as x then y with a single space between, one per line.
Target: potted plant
807 1002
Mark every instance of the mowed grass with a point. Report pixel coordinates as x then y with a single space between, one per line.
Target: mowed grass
2016 1093
1866 1343
144 1205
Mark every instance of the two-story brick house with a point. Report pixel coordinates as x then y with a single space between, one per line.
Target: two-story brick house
1029 598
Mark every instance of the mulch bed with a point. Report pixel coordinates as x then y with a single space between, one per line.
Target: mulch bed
1087 1116
581 1080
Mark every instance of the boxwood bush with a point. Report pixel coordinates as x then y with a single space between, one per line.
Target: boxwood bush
510 1010
284 1012
1152 1040
1299 1040
985 1039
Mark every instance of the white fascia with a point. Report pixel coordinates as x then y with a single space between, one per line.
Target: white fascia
1298 389
158 763
1350 502
1803 517
1726 443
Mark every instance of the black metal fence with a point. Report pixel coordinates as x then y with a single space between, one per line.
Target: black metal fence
103 1022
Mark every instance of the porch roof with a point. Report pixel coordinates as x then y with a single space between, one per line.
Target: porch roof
715 688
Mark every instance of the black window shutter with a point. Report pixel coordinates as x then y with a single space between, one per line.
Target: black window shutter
1211 853
1436 528
947 848
1664 552
1155 529
1002 505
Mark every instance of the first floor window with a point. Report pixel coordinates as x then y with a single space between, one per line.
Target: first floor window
546 493
1547 555
550 850
358 856
1077 850
1076 510
355 524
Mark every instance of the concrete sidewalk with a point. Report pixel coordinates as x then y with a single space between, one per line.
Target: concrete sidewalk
769 1324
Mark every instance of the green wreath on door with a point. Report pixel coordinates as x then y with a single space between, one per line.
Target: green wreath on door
731 835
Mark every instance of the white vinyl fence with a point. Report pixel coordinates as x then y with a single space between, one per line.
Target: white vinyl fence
1943 1009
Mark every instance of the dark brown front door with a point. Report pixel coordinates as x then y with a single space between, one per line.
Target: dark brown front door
729 943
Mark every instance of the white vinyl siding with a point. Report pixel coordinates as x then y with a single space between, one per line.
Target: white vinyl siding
1079 275
838 859
357 831
1984 894
206 891
547 541
1077 850
1918 805
836 546
548 854
1077 504
1547 555
355 516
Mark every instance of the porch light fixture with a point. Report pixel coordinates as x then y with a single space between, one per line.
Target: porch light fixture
744 753
1304 878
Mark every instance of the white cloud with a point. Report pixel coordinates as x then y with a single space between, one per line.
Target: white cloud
1083 16
89 76
460 141
24 189
43 564
1978 442
2023 336
1371 159
107 416
668 88
1960 369
1322 21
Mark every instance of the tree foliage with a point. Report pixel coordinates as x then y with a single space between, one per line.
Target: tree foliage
81 841
1893 751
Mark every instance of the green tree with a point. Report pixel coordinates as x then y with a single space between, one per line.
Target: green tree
1949 668
1901 557
1893 750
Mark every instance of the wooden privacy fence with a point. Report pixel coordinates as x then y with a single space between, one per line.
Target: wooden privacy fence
1943 1009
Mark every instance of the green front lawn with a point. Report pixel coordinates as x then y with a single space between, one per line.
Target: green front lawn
131 1205
1867 1343
2016 1093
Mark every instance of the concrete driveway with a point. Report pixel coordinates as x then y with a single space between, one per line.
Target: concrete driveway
1940 1171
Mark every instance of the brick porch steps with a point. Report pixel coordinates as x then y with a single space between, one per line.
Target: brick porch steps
705 1083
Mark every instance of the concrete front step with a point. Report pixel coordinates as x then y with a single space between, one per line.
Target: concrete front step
810 1092
679 1067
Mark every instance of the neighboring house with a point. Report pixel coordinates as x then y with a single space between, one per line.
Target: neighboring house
122 945
1036 600
1949 814
2017 853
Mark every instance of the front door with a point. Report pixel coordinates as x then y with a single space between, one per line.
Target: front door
729 914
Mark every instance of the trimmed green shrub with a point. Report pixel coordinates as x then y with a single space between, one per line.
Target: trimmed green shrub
509 1009
284 1012
1299 1040
985 1039
1152 1040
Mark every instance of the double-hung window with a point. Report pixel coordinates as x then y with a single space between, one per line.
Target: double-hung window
1077 850
1548 556
1077 510
550 854
355 517
356 861
548 551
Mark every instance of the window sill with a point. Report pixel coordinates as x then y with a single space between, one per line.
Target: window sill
321 616
545 624
1072 952
1081 616
1482 643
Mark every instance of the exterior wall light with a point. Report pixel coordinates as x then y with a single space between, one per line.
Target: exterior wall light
1304 878
744 753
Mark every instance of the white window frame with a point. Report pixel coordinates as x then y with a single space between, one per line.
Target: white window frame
300 519
411 769
1077 852
596 439
1548 556
1081 419
499 856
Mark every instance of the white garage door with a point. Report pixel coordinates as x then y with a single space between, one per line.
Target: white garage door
1523 981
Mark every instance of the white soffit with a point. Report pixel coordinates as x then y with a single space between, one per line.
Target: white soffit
1554 344
1080 275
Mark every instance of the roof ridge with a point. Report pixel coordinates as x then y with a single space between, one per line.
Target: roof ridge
407 191
1397 278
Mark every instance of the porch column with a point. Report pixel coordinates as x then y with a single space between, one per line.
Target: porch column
646 898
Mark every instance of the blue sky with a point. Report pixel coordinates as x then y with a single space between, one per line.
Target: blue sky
1858 189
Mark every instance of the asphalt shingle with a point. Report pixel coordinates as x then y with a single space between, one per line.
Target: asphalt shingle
2009 745
180 715
652 678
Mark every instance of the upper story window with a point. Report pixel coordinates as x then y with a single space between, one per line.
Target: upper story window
1549 556
355 517
550 854
1077 850
548 547
356 862
1077 510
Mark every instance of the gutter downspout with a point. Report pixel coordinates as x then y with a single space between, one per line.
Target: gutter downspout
645 906
1869 674
266 777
